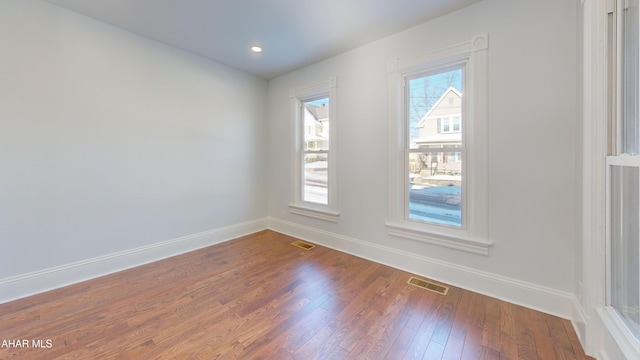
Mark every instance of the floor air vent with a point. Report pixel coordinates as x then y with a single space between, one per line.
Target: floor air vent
428 285
303 245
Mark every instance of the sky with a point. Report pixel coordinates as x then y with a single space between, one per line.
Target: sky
319 102
424 91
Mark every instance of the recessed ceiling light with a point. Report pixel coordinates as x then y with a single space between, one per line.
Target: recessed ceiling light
256 48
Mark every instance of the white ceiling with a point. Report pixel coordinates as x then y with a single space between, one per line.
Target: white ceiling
294 33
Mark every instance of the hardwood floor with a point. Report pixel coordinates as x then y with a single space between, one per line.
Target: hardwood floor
259 297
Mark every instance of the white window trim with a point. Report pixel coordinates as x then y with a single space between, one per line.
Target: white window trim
298 206
609 311
604 333
622 333
473 237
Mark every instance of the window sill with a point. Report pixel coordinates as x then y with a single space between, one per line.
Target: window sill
626 342
462 243
322 214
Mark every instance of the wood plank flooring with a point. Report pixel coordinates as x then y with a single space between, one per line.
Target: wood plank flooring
259 297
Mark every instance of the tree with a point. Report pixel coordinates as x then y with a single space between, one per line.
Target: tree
424 91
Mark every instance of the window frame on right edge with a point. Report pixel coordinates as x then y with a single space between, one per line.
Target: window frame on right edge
470 233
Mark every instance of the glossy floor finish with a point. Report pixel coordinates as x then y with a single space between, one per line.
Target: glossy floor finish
259 297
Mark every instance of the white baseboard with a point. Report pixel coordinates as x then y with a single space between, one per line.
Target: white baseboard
547 300
20 286
579 320
534 296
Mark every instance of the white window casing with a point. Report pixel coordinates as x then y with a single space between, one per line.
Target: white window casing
472 236
620 312
298 205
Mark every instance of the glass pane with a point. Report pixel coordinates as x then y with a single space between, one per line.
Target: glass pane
316 125
435 122
435 100
625 272
630 130
315 178
435 187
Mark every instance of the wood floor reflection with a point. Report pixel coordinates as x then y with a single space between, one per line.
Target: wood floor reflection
259 297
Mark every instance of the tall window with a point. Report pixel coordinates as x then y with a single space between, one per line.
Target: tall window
436 146
314 154
437 171
623 175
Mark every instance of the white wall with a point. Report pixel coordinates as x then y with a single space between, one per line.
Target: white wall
110 141
532 138
579 185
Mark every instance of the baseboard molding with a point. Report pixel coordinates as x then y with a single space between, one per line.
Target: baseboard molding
20 286
533 296
550 301
579 319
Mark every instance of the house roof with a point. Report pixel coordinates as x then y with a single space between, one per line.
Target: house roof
314 138
318 112
451 89
442 138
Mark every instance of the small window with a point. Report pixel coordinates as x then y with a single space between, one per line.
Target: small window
456 123
315 156
314 164
446 126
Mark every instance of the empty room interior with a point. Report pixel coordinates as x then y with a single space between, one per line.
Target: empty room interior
313 180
